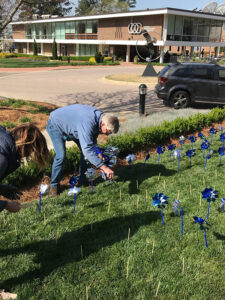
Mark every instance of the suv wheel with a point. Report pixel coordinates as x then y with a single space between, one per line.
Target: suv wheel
180 99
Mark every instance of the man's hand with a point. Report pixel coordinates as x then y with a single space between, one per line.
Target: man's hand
9 191
108 172
101 156
13 206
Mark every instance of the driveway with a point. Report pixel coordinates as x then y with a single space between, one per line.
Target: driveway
79 85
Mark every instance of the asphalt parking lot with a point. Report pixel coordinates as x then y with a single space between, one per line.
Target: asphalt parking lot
79 85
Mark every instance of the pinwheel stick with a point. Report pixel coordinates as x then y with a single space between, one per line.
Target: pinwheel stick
178 164
182 221
206 244
220 160
204 153
74 203
40 204
170 153
190 162
159 159
208 211
91 183
205 164
162 215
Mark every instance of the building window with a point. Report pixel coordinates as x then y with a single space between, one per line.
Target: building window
193 29
87 50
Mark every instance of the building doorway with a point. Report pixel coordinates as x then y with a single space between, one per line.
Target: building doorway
63 49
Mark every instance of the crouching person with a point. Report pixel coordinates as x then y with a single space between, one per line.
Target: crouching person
81 124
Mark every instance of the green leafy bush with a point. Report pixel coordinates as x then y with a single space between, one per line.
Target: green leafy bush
98 57
8 124
24 119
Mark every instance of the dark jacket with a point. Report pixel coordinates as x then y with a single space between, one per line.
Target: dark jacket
2 204
8 150
8 162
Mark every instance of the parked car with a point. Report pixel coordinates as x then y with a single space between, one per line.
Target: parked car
182 84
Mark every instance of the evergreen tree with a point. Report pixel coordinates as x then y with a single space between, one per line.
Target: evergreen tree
91 7
54 50
35 48
45 7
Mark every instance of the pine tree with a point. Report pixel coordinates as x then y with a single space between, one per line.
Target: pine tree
54 50
35 48
91 7
45 7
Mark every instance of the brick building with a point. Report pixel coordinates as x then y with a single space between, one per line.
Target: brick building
177 30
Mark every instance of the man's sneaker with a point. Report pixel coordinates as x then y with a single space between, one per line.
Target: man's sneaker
54 191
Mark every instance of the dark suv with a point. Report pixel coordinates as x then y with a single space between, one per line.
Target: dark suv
181 84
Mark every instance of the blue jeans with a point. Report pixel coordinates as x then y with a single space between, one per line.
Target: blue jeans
59 141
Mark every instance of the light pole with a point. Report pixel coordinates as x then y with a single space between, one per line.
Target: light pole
142 95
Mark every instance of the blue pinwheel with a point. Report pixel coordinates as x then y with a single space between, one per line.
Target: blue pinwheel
177 155
208 156
160 201
201 135
43 191
147 158
192 139
74 190
176 206
203 226
90 173
221 128
160 150
222 138
190 154
182 139
130 158
205 145
222 204
73 180
212 131
171 148
210 195
221 153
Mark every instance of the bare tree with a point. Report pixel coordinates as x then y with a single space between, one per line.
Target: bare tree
8 9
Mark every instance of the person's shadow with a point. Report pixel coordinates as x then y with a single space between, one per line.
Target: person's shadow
140 172
52 254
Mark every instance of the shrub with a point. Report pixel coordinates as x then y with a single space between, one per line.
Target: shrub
24 119
92 60
54 50
8 124
6 55
98 57
107 58
35 49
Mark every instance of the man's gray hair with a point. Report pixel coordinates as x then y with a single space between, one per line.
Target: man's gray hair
111 122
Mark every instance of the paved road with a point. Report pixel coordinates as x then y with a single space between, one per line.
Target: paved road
80 85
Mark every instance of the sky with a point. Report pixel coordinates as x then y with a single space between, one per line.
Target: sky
182 4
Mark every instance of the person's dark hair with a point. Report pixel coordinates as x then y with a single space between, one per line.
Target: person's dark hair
30 142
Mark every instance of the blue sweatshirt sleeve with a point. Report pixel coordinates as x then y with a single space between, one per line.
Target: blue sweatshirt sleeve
87 138
3 205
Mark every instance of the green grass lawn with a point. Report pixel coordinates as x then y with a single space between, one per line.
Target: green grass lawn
115 247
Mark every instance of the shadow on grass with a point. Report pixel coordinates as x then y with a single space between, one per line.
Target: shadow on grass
141 172
219 236
52 254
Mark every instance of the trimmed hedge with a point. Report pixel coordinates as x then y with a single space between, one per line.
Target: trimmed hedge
79 58
148 137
